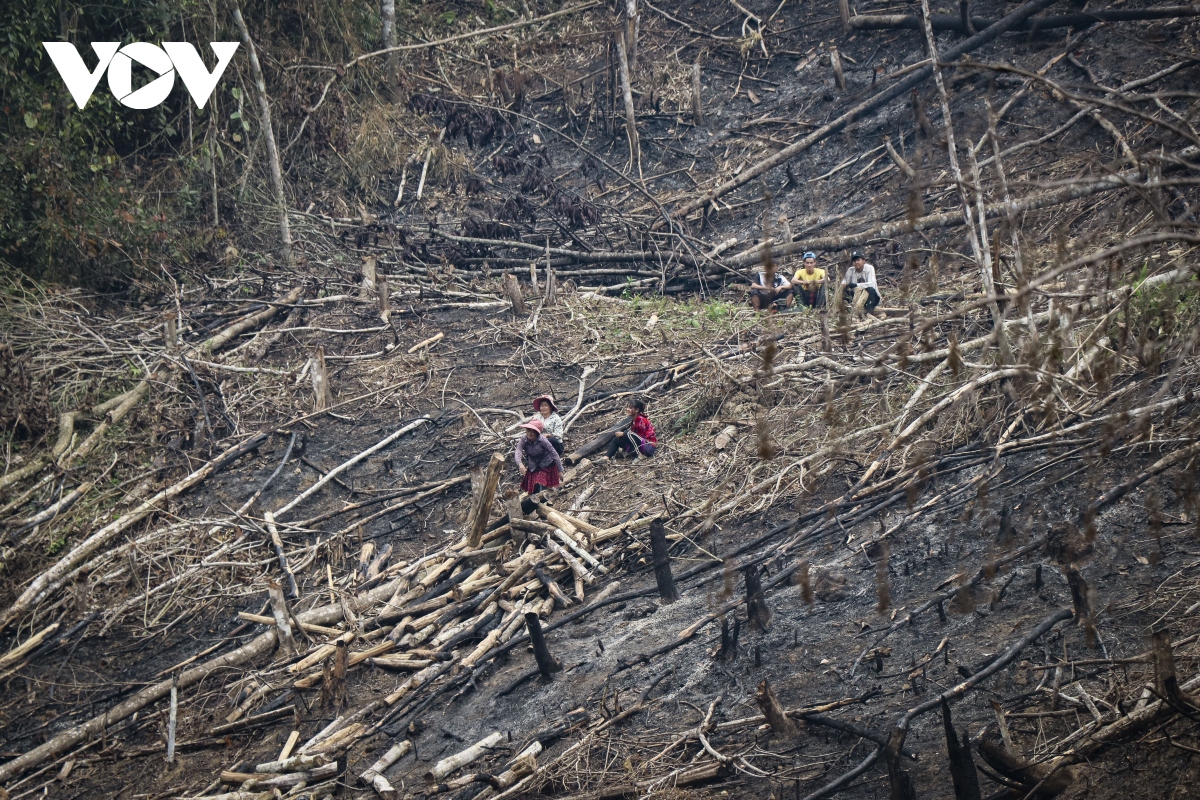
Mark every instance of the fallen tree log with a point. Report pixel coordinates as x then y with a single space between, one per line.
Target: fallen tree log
223 338
259 646
1128 179
878 100
53 579
957 24
333 473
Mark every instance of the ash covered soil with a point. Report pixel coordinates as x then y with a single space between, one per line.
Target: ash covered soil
897 563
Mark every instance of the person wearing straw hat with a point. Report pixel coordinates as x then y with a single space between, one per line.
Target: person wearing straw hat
552 423
540 465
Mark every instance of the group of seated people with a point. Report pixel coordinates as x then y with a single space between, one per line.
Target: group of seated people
539 450
858 285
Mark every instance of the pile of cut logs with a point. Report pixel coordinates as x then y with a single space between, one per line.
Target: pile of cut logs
430 620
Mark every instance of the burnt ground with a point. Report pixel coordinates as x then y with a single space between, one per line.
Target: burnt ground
809 654
1139 563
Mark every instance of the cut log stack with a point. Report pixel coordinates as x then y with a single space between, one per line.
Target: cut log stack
436 617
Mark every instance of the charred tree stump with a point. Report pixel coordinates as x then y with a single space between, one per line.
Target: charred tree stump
547 665
756 604
364 559
962 766
1166 685
283 617
333 680
385 300
776 717
1081 599
1079 594
551 297
729 640
478 519
513 291
964 14
323 396
697 101
370 269
835 61
662 562
901 781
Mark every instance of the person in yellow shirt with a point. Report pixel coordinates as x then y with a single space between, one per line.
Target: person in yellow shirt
811 282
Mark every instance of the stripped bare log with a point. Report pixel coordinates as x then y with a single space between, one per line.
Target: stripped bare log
465 757
373 776
224 337
52 579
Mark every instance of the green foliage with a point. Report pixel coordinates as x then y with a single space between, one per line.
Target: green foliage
1156 320
705 406
75 203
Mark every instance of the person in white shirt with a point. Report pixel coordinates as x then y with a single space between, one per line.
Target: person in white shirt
763 297
859 286
552 423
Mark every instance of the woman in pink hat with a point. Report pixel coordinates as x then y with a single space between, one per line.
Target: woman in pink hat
537 459
552 423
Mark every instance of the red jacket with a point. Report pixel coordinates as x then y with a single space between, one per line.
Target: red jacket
642 427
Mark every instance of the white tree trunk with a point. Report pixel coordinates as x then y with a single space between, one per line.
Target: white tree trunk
264 113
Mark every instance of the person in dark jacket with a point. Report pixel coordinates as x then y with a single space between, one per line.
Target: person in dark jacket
540 465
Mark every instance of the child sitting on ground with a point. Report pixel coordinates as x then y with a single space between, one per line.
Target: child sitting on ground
638 436
552 423
537 459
